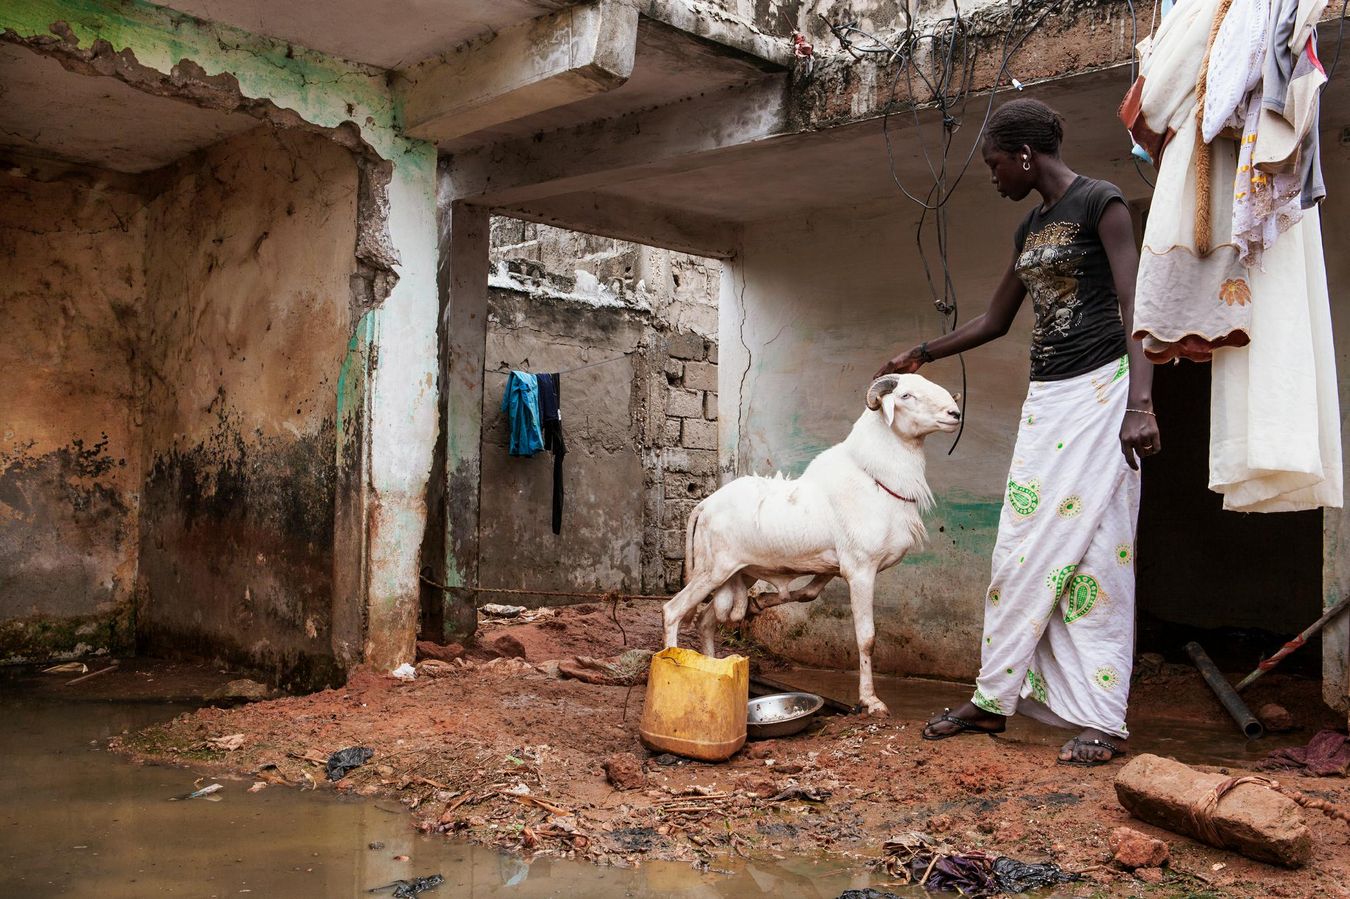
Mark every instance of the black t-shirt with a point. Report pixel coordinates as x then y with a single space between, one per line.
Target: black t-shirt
1061 260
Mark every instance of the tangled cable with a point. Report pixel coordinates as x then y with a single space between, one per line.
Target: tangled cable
943 57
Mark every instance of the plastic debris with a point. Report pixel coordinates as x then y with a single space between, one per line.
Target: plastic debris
405 672
869 893
198 794
918 859
227 743
496 610
406 889
339 763
1019 877
67 668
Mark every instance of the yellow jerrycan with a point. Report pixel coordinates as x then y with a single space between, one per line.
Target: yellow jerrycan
695 705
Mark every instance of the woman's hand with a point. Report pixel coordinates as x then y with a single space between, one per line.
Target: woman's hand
906 363
1139 436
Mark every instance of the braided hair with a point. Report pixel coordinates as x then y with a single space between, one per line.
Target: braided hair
1025 122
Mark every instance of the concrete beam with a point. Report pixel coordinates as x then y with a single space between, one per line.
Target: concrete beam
531 67
676 138
627 219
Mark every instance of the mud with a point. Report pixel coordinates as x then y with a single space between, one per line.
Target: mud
502 753
78 821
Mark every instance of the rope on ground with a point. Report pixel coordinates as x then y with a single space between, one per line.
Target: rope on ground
606 596
1202 813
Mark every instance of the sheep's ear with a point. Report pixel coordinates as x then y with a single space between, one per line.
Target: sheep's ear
888 408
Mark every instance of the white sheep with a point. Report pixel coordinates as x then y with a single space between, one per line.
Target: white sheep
855 511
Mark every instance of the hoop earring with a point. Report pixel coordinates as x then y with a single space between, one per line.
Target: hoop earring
1026 165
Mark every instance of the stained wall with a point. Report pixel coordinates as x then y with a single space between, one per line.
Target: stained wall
248 264
71 296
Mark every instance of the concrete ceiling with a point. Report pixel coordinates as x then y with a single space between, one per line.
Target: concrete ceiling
669 65
390 34
848 166
48 111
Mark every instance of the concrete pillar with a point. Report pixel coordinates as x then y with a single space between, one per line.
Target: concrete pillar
462 281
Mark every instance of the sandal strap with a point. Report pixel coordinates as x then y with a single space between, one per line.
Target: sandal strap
1105 744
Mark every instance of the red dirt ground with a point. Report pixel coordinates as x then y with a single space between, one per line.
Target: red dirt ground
504 753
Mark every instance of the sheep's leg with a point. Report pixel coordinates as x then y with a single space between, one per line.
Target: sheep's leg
682 604
860 585
784 595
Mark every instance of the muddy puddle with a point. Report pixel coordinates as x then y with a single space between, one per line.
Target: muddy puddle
77 820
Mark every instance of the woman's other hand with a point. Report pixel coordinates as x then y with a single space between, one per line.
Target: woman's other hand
906 363
1139 436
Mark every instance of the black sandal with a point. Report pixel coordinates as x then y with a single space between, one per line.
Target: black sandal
962 727
1116 752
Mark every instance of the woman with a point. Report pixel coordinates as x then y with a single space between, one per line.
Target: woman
1059 617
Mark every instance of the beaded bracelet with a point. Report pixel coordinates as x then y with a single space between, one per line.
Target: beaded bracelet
1141 411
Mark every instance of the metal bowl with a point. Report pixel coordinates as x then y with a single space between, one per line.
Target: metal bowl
780 714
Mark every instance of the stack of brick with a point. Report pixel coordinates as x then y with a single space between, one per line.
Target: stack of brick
689 453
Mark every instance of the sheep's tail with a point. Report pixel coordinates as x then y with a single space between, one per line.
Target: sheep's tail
689 529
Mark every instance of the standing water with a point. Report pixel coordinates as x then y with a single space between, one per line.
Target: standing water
77 820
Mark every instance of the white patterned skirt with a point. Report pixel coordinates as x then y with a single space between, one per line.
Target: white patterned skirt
1059 614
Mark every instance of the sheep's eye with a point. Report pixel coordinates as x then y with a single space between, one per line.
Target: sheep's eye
907 396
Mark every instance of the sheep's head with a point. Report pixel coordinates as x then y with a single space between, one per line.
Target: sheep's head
912 405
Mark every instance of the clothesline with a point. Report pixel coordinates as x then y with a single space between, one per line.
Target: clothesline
504 368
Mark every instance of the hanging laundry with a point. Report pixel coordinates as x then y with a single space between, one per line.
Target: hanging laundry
550 404
1237 275
520 402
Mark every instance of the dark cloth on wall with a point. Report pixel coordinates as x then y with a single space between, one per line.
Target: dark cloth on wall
550 410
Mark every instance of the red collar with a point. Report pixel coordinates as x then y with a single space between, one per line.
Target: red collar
892 492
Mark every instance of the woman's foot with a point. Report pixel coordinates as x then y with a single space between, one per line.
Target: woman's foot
968 719
1091 748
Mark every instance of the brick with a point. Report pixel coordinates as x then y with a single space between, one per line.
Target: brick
685 486
674 575
681 403
670 434
700 376
710 406
674 370
677 512
699 434
712 353
687 346
672 543
687 461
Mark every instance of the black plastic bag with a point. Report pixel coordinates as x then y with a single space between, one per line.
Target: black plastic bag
868 893
342 761
407 889
1018 877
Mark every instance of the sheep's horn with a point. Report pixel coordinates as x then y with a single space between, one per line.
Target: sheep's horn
880 387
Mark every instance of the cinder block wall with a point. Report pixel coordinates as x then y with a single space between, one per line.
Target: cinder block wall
641 431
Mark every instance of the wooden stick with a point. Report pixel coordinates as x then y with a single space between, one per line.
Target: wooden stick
1294 644
85 677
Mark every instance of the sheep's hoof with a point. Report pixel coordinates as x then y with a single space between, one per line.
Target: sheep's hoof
875 708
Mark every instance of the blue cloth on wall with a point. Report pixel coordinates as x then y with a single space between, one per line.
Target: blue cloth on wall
520 402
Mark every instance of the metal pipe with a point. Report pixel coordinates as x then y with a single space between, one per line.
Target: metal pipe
1225 692
1294 644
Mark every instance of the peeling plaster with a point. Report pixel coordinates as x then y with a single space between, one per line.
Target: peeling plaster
166 53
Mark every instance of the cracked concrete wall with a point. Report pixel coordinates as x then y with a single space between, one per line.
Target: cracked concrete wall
71 242
248 262
641 432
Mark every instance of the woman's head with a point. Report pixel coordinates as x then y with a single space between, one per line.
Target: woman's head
1018 132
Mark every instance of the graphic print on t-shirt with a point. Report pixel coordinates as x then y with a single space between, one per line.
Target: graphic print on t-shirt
1049 267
